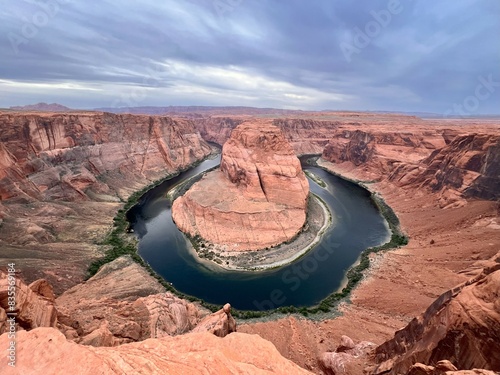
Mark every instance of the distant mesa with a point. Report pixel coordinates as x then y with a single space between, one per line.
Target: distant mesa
257 198
42 107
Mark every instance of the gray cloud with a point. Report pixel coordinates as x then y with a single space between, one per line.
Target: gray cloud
425 57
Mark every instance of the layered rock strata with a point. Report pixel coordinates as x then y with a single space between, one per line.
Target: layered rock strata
256 199
469 166
63 177
454 167
81 156
462 325
34 304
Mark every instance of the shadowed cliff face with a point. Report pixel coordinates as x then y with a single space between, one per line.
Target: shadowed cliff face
469 166
216 129
63 177
463 326
380 150
466 167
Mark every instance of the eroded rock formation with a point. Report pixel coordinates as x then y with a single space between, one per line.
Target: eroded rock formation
258 197
34 304
123 303
348 358
64 176
469 167
220 323
80 156
46 351
378 152
454 166
445 367
462 326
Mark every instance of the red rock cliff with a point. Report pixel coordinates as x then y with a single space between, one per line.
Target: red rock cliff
463 326
257 198
469 166
61 156
63 177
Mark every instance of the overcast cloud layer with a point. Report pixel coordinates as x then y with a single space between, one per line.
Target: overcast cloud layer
408 55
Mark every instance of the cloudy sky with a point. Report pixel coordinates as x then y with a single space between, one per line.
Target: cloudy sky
408 55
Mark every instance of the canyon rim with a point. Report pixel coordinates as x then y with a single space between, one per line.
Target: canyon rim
60 174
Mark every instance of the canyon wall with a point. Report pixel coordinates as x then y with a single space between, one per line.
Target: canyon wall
258 197
88 156
469 166
63 177
462 325
310 133
453 166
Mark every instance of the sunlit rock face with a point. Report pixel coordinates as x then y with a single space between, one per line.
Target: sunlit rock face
256 199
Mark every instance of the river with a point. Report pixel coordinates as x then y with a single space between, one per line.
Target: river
358 225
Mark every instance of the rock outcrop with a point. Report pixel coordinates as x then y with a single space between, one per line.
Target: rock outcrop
453 166
378 152
257 199
348 358
469 167
462 326
46 351
34 304
123 303
221 323
445 367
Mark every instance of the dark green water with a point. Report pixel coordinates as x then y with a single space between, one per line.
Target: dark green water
303 283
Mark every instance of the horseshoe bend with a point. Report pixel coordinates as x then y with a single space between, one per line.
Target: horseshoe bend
256 200
425 308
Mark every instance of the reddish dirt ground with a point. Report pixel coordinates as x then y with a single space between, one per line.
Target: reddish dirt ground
446 245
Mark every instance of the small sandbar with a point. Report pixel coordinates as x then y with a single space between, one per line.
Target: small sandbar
318 220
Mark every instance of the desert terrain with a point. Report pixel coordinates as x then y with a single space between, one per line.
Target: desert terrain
64 177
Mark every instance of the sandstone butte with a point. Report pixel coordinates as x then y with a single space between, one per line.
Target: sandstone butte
62 177
258 197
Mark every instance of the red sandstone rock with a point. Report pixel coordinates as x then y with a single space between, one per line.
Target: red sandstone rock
63 154
347 359
469 166
220 323
257 198
75 170
34 304
46 351
123 303
463 325
445 367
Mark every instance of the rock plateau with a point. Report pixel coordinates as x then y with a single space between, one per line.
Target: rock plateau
257 198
